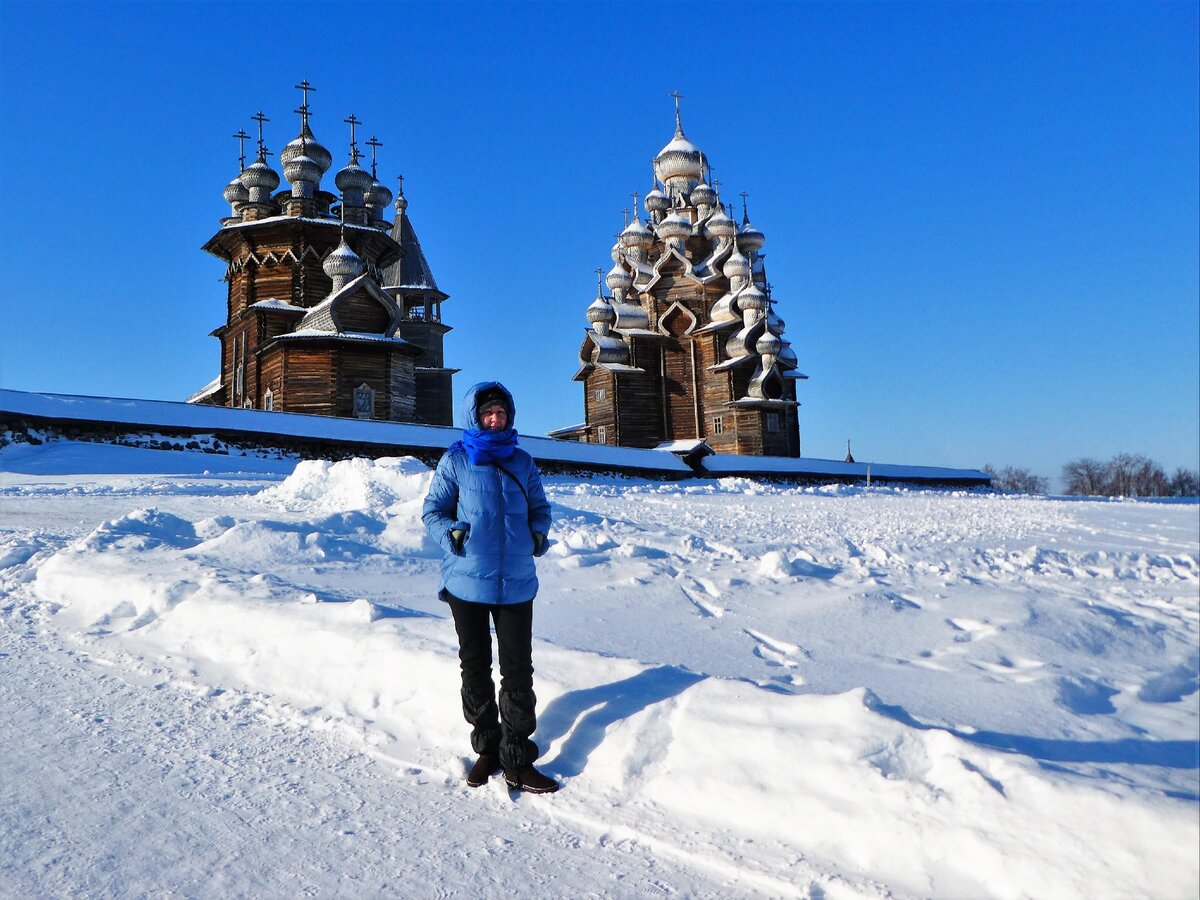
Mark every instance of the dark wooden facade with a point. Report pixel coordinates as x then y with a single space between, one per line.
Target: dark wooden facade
687 346
309 326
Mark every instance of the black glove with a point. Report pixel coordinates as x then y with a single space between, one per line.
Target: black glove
458 537
539 543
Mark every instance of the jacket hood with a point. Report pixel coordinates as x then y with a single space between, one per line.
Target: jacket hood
466 415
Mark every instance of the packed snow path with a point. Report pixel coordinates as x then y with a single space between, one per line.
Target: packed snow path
748 690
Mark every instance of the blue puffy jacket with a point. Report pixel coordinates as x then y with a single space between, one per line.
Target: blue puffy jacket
499 513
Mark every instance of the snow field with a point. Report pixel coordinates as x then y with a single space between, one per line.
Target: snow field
781 691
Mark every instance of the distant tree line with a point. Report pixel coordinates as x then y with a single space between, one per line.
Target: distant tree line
1127 475
1021 480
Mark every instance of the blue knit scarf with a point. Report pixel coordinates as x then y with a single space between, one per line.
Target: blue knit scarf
484 447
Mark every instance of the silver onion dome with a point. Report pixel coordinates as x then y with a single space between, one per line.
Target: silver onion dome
260 180
300 169
636 235
769 344
679 163
752 298
720 225
703 195
236 192
737 266
618 279
342 265
657 201
601 312
675 225
354 178
377 198
306 145
750 238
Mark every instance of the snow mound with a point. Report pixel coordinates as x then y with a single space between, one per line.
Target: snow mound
387 494
353 484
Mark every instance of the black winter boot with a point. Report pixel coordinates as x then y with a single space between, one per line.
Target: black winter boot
529 779
485 767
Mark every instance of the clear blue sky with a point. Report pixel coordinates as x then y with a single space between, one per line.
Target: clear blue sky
981 219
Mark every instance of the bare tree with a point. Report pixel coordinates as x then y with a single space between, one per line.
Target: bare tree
1020 480
1085 477
1185 483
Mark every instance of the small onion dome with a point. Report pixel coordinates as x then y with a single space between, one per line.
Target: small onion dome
378 196
752 298
301 168
401 203
306 145
750 238
720 225
636 235
787 356
261 177
737 266
615 252
769 344
703 195
657 201
353 178
679 159
775 323
600 312
236 192
674 226
618 279
342 263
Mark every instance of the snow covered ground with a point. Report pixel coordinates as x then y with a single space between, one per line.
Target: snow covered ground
220 677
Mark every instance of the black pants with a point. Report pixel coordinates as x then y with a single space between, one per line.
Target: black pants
502 729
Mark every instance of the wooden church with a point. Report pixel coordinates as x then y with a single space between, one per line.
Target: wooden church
331 309
687 347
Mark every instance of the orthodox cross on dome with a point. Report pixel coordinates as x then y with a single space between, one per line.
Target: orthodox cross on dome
745 212
678 122
634 195
626 213
353 121
374 143
241 138
599 282
400 186
263 153
304 87
714 184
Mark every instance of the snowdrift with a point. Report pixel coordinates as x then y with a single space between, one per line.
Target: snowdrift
826 692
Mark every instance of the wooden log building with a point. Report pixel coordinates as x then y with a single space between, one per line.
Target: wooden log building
687 347
331 309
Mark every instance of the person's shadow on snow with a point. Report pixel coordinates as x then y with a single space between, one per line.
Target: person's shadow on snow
587 713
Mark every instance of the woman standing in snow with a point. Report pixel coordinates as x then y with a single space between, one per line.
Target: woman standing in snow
487 510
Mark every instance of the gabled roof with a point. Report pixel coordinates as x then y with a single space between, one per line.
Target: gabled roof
411 272
323 316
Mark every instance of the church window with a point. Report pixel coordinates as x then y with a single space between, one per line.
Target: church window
249 404
718 425
772 421
601 393
269 400
364 402
602 434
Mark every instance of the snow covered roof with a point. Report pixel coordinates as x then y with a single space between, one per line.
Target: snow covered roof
394 435
276 303
207 391
313 333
